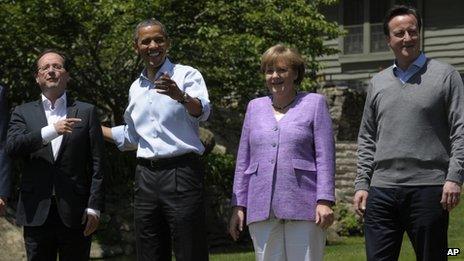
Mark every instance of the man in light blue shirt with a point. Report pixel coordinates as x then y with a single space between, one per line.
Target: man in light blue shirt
166 104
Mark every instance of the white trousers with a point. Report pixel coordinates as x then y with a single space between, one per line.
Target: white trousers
287 240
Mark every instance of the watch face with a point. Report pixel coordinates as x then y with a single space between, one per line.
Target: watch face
185 98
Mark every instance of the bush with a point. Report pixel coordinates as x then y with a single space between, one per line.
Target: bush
218 183
349 224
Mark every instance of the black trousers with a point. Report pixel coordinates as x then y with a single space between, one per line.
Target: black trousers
417 210
53 238
169 210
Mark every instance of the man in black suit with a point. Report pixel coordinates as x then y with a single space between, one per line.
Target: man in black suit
4 161
61 145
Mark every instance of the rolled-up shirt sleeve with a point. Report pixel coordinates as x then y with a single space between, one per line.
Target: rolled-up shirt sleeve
195 87
123 138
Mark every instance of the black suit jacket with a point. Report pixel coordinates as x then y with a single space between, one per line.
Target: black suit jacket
5 178
76 175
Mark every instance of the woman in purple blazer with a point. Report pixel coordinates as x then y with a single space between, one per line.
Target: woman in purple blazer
284 177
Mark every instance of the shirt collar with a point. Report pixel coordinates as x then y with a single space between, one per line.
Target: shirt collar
167 67
48 104
419 62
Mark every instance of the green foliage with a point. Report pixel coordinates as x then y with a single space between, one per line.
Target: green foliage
231 37
219 171
350 225
224 39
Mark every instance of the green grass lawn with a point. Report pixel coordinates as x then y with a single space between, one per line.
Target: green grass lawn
352 248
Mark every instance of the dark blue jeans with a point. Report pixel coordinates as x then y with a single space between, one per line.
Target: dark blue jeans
417 210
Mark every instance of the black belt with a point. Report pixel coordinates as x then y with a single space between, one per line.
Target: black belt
166 162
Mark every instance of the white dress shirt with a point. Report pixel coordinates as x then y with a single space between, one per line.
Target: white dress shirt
158 126
54 113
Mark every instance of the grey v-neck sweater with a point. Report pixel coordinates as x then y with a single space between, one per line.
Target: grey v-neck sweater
412 134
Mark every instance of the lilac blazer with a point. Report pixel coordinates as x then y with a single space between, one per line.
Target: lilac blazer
295 156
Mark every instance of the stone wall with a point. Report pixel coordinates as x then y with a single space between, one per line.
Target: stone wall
11 240
345 170
346 106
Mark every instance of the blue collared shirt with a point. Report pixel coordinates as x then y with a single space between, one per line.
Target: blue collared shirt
158 126
404 76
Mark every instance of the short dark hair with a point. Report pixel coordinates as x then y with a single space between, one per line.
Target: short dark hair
290 55
149 22
400 10
50 50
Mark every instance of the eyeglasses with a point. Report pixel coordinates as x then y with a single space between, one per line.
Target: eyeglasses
55 67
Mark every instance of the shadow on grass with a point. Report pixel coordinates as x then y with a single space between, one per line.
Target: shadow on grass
232 249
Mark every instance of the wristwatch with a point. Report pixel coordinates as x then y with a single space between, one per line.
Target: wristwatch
185 98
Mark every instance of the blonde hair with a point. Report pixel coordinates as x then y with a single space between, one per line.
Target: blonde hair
291 56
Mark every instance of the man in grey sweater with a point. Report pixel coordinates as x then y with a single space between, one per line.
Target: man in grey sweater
410 147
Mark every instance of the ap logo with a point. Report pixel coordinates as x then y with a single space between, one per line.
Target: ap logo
453 251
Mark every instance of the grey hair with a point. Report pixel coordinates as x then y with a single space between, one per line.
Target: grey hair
149 22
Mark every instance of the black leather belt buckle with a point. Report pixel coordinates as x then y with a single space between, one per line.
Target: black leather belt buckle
165 162
152 163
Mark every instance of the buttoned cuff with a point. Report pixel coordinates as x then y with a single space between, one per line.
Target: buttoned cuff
48 133
93 212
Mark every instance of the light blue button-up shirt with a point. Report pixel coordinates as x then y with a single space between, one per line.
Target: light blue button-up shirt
404 76
158 126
